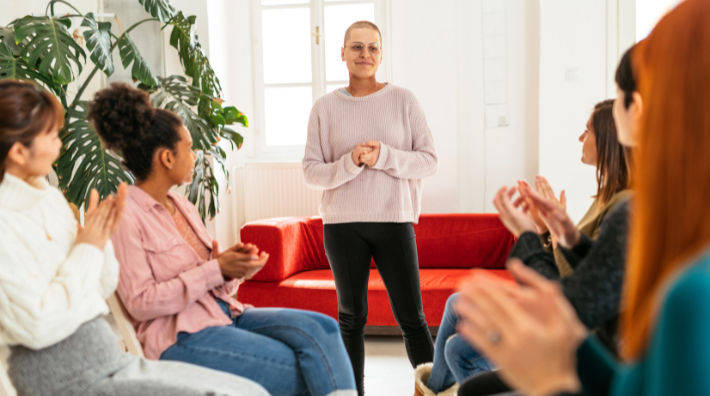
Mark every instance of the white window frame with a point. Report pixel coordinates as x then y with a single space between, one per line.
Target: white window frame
259 151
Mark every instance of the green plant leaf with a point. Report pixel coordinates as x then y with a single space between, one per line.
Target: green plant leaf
140 70
84 163
159 9
47 46
192 57
98 41
204 189
176 95
12 66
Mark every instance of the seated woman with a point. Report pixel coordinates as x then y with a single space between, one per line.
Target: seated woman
541 347
454 359
176 285
55 277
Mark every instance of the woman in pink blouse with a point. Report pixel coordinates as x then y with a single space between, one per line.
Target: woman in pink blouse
179 289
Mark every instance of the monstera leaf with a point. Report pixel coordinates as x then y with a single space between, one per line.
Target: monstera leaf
159 9
12 66
193 59
140 70
84 163
175 94
48 47
98 41
204 189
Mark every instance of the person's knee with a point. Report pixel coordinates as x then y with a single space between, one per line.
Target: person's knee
456 350
449 308
352 321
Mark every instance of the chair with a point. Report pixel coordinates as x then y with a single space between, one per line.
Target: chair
125 328
6 388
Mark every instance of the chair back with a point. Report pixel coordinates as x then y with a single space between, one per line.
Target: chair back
125 328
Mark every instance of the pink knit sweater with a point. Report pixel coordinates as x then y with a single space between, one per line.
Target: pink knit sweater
390 191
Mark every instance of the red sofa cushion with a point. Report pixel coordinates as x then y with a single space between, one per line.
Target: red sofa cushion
315 290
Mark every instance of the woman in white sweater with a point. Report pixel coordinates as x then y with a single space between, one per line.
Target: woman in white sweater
55 275
368 147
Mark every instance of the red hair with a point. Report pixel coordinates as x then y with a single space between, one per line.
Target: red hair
671 213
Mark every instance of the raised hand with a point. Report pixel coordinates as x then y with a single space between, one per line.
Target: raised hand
370 158
513 217
101 219
561 227
530 210
530 332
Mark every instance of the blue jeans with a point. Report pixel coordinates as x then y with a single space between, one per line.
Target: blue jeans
454 359
287 351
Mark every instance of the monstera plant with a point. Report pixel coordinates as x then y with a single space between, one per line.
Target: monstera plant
42 49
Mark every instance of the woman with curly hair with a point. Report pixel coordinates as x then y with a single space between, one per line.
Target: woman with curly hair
176 285
56 275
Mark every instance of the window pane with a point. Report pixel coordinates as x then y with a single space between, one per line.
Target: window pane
287 46
286 115
337 19
282 2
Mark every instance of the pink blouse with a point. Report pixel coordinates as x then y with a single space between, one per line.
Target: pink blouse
164 284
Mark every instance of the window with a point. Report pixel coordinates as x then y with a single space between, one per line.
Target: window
297 59
649 12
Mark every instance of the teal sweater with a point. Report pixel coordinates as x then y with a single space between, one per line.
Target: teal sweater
677 361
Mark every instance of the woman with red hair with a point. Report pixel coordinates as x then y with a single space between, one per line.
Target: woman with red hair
542 348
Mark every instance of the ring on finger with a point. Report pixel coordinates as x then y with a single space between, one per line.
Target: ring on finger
494 337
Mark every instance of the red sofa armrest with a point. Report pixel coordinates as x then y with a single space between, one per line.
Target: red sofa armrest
289 242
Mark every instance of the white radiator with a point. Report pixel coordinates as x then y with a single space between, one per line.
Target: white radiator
272 190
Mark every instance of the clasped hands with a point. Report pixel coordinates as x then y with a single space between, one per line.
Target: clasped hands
241 261
536 210
366 153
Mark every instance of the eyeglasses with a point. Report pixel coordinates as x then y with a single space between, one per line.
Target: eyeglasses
374 49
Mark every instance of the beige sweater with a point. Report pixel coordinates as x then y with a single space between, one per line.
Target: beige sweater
390 191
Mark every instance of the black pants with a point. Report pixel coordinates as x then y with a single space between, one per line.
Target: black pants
349 247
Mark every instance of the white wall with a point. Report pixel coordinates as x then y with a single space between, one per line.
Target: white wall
574 75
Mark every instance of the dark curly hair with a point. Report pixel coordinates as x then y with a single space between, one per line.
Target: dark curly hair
127 122
26 110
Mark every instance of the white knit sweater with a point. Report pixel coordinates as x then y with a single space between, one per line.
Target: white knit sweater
390 191
48 285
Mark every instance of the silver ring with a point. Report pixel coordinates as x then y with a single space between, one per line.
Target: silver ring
494 337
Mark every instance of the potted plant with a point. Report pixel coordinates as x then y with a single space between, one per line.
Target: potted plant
42 49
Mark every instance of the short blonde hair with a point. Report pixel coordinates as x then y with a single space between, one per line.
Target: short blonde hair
360 25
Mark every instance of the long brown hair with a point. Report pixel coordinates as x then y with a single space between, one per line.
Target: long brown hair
671 221
26 110
613 159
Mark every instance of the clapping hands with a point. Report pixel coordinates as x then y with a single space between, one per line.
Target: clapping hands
241 261
101 218
366 153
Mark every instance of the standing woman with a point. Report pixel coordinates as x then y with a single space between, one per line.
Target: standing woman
368 147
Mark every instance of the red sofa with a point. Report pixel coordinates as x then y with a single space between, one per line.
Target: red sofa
298 275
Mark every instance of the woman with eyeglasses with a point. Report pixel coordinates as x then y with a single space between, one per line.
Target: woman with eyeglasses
368 148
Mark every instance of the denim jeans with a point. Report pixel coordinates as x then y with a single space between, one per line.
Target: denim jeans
454 359
287 351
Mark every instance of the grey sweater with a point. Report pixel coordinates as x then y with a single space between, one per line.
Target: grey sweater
594 288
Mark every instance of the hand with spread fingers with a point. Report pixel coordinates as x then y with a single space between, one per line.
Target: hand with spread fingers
530 210
511 213
553 213
530 332
241 261
101 218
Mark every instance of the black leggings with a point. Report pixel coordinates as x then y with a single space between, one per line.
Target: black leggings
349 247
